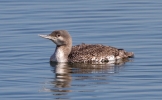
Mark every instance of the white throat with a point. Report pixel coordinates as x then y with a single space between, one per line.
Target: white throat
59 56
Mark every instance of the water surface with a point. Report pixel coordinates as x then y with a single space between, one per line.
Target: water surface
26 72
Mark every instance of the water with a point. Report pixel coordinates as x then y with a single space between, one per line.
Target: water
24 57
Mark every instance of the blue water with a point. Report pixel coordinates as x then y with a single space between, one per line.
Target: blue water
25 71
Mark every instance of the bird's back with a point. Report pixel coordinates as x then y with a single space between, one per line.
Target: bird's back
96 52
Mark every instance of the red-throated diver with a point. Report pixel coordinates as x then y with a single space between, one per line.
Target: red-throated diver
65 52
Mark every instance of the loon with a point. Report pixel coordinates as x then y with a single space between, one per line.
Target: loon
65 52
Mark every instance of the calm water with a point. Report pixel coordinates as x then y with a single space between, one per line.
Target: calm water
25 71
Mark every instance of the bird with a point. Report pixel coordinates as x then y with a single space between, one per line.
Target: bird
65 52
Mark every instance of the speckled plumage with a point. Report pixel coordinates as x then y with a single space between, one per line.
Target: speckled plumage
96 52
65 52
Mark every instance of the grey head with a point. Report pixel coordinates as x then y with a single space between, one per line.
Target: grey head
59 37
63 42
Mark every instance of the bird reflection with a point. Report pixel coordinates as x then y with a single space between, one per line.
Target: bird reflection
64 74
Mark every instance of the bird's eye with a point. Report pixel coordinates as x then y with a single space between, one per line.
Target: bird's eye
58 35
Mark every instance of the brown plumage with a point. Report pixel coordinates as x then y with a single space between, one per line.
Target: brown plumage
65 52
96 52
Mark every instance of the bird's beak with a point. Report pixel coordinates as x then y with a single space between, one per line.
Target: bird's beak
45 36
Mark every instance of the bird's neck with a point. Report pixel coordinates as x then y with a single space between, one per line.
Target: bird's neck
61 54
